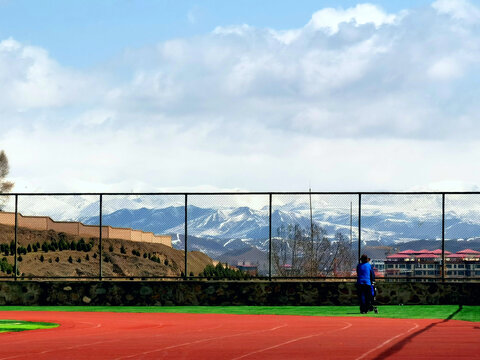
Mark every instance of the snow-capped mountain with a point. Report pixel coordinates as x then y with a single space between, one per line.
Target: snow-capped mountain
218 229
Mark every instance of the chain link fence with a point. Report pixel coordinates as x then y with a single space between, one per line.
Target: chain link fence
408 236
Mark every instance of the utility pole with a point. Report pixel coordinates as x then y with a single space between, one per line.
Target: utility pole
313 271
351 239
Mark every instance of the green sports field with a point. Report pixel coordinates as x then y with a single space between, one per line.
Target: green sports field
455 312
15 325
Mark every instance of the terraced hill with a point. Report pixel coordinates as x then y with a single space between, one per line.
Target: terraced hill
48 253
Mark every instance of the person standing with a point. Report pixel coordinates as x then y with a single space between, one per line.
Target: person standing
365 276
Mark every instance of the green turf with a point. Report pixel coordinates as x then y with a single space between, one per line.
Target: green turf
17 325
468 313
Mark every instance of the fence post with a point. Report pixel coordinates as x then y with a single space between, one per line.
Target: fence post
270 237
100 245
186 236
443 237
16 238
359 226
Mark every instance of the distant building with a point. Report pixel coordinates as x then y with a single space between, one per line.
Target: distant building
428 264
248 267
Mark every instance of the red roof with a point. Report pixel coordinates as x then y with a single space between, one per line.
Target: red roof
407 252
427 256
398 256
456 255
469 251
439 252
425 251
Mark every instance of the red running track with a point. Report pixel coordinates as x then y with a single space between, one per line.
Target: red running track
88 335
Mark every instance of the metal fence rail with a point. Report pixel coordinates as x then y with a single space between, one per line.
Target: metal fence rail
301 235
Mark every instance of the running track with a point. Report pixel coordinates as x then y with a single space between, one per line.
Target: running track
119 336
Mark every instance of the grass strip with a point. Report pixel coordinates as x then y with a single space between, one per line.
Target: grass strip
18 325
456 312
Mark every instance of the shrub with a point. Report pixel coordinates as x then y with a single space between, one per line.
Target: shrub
54 245
57 259
110 248
21 250
5 266
94 255
70 260
87 258
79 260
62 244
73 245
45 247
42 258
50 260
122 250
191 273
20 258
145 255
29 248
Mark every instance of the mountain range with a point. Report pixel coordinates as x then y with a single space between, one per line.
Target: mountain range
218 231
228 225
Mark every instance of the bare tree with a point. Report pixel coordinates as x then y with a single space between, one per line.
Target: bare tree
288 250
5 186
309 252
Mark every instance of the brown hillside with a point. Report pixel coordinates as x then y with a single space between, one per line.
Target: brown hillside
154 260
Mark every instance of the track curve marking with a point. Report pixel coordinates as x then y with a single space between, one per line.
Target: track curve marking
94 335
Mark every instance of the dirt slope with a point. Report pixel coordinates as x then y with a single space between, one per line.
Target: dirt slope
146 259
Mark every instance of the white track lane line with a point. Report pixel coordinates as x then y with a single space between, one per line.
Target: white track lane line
200 341
292 341
387 341
96 343
73 346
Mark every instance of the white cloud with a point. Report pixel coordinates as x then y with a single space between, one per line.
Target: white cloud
357 99
462 10
329 19
445 69
31 79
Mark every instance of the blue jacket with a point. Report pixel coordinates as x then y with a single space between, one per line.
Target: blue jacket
365 274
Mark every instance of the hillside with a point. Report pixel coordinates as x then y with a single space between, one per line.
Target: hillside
48 253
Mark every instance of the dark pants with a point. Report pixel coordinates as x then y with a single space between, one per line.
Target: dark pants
365 297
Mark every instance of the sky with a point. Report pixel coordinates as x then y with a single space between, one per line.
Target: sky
154 96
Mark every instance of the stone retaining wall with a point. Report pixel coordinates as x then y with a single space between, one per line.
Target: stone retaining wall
228 293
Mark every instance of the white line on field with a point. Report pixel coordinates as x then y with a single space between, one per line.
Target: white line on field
291 341
387 341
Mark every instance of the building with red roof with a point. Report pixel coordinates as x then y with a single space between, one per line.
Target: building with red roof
469 252
424 264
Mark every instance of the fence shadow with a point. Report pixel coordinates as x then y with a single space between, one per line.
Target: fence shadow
398 346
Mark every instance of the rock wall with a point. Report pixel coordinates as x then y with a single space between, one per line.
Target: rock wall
228 293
